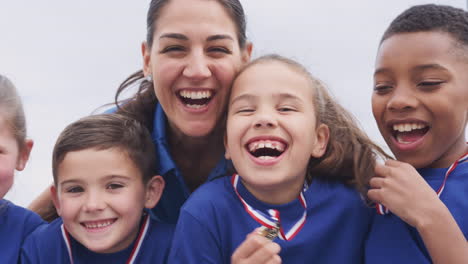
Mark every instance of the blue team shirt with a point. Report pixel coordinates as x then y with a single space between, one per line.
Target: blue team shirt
213 223
15 224
391 240
47 245
175 191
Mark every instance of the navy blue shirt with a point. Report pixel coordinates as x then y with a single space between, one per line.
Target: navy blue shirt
175 191
47 245
391 240
213 223
15 224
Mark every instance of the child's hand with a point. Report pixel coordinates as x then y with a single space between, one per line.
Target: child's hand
256 250
400 188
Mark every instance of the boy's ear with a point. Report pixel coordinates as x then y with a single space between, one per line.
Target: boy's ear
55 199
24 155
154 190
322 136
146 54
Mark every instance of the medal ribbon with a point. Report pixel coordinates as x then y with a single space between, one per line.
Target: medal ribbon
136 248
382 210
274 220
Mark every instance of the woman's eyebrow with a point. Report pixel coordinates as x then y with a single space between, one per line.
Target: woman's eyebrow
174 36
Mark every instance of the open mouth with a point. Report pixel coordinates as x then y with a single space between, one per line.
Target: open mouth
266 149
195 99
95 225
407 133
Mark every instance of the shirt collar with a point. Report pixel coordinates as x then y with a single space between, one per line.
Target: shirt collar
165 161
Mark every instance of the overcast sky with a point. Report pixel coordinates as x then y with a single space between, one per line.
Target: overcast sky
68 57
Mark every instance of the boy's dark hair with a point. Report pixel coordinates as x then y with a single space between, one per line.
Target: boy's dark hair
107 131
430 17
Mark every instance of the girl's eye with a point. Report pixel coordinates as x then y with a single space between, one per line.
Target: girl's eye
114 186
75 189
286 109
245 110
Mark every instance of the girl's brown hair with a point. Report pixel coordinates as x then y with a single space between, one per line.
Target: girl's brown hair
350 156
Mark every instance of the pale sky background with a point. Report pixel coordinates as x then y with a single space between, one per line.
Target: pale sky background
67 58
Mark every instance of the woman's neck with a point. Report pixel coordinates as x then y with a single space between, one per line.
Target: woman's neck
196 157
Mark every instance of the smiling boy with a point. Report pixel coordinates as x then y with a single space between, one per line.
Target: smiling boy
103 169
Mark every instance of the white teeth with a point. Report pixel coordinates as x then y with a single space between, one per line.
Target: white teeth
195 95
195 106
266 144
266 157
400 140
407 127
98 225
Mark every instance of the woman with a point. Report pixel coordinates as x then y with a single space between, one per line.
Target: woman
192 52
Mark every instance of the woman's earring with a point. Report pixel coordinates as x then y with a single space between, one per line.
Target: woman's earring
149 78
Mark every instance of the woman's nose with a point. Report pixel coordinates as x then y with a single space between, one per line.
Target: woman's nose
197 67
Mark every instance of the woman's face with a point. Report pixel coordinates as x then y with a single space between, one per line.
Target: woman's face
193 60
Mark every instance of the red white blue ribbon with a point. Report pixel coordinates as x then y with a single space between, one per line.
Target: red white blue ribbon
382 210
136 248
274 220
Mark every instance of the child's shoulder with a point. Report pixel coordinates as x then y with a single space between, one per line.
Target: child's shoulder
16 223
14 217
211 190
332 188
46 232
213 195
321 191
161 231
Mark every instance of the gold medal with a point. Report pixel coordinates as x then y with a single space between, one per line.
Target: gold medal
270 233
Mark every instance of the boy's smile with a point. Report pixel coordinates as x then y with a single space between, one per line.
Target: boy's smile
100 196
420 99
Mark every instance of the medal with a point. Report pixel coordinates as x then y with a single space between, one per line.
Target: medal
271 224
270 233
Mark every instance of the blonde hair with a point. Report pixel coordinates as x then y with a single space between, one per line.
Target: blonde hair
350 156
12 110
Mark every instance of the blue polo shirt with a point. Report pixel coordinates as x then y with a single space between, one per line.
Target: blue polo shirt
391 240
213 223
176 190
47 244
15 224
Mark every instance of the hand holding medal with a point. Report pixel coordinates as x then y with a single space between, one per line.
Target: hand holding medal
258 248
